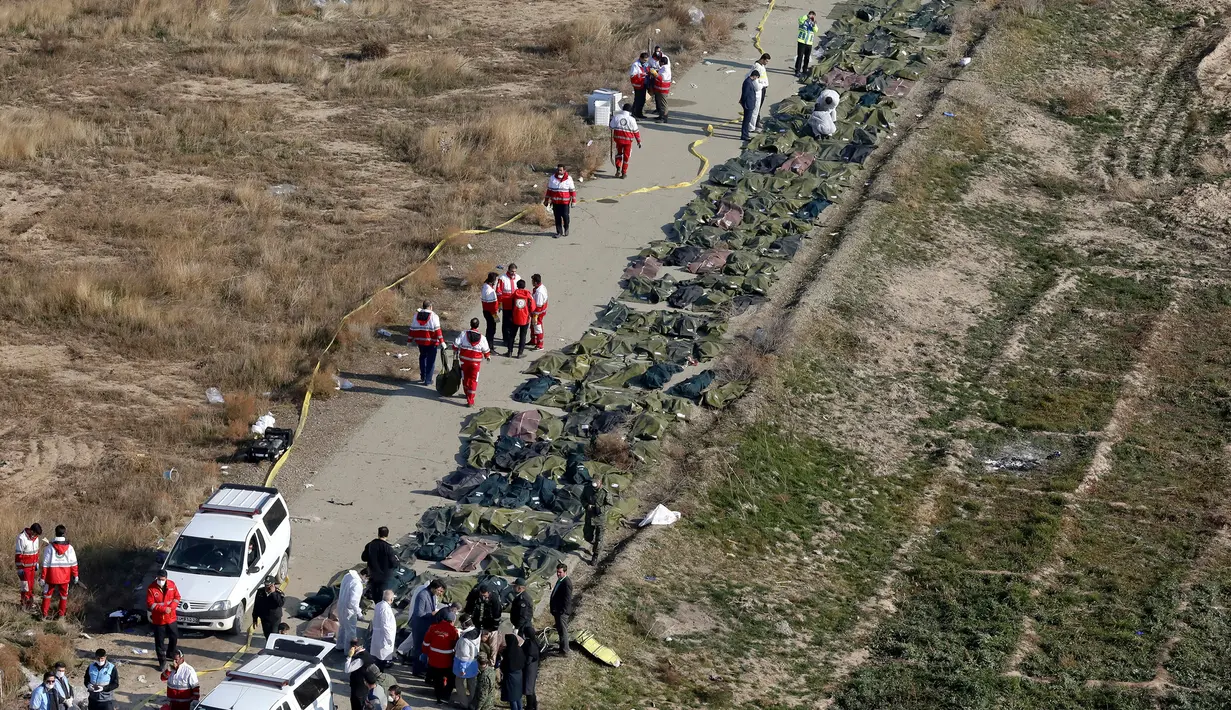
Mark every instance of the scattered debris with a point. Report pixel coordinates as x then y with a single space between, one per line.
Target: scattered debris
963 62
171 474
398 355
660 515
213 395
950 115
651 578
1019 459
338 502
384 332
265 421
695 16
341 383
282 189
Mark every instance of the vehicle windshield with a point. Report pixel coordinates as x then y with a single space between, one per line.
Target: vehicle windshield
197 555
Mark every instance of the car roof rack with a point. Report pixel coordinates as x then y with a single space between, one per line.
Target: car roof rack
238 499
275 670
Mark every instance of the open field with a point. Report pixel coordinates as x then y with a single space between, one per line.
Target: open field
990 469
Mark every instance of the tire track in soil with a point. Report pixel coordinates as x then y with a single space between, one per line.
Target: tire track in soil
1117 161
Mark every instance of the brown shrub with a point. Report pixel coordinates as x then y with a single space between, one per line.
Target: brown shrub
241 410
26 134
477 273
407 75
1028 8
613 449
425 280
373 49
322 383
10 670
538 215
46 650
282 62
1081 99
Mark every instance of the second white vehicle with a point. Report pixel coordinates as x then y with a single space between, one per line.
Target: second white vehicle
287 675
238 537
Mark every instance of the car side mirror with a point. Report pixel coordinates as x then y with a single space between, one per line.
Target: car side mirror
254 569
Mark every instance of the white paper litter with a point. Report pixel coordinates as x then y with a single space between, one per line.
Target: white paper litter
213 395
265 421
660 516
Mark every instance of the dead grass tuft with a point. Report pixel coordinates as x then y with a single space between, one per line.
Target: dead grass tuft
538 215
1027 8
481 145
373 49
46 651
11 677
406 75
1082 99
26 134
1127 189
241 410
477 273
612 449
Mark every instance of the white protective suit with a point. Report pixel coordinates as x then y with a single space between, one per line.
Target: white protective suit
762 85
824 119
384 629
348 609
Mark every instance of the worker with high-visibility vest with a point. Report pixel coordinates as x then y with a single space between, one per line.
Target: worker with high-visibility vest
425 332
505 286
523 306
803 43
660 73
26 557
472 349
538 312
490 301
637 75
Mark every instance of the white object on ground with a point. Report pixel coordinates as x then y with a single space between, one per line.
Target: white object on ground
213 395
342 383
384 332
265 421
660 516
963 62
695 16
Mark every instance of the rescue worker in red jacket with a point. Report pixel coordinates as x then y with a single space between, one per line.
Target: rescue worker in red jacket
426 333
561 195
183 688
162 598
539 304
505 286
491 304
472 349
660 73
438 645
26 559
523 304
636 74
624 131
59 571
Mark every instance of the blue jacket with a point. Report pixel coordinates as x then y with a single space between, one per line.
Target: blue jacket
421 610
749 93
42 699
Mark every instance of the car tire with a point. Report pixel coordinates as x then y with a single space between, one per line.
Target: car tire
238 622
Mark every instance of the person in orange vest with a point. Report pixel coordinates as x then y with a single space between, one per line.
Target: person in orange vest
426 333
183 688
59 571
561 195
491 304
472 349
26 559
523 302
636 74
540 310
623 132
438 645
162 598
505 286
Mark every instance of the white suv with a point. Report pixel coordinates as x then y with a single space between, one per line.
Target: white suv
241 535
287 675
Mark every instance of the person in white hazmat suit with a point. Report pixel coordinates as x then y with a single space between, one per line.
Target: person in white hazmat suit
384 629
349 597
823 122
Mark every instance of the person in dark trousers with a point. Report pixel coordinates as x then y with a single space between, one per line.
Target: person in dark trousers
357 662
382 563
506 284
530 647
523 302
637 75
597 501
749 100
101 680
490 301
561 194
521 608
803 43
63 688
513 666
162 598
484 608
661 87
267 608
561 604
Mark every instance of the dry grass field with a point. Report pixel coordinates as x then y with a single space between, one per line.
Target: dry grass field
192 194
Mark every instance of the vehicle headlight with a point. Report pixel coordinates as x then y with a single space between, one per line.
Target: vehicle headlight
223 605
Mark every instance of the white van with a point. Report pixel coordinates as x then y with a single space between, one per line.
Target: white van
238 537
287 675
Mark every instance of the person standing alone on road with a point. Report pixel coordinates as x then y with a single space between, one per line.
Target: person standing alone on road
491 304
59 571
101 680
761 67
522 300
26 558
561 604
637 75
749 100
803 43
267 608
472 349
382 562
505 286
624 131
426 333
162 598
538 312
561 195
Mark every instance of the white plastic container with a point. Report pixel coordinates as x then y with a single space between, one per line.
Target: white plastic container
611 96
602 113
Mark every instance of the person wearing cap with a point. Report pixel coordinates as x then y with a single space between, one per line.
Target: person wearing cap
183 688
64 696
521 609
101 680
487 690
267 607
439 644
162 598
26 559
384 630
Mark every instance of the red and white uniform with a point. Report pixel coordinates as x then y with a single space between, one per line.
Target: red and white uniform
505 286
523 302
439 643
59 571
624 131
425 329
662 80
183 688
162 603
26 559
636 74
489 299
472 349
560 190
540 310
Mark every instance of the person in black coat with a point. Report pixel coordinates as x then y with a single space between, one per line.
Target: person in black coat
513 667
382 563
357 662
484 608
267 608
521 609
562 604
530 647
749 100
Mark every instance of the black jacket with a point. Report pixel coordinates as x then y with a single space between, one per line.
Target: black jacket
381 559
562 598
521 611
484 612
268 605
749 93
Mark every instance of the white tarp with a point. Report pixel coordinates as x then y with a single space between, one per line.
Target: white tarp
660 516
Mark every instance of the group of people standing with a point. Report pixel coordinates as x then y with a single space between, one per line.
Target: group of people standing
651 73
53 566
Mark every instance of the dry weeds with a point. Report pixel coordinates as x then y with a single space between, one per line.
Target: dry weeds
46 650
613 449
538 215
11 677
26 134
1081 99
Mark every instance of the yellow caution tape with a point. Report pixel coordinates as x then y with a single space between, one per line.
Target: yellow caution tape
756 38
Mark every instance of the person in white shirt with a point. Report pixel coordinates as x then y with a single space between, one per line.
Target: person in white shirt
761 66
384 630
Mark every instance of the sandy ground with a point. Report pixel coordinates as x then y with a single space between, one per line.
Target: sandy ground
388 465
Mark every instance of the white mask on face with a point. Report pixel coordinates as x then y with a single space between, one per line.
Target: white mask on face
59 674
